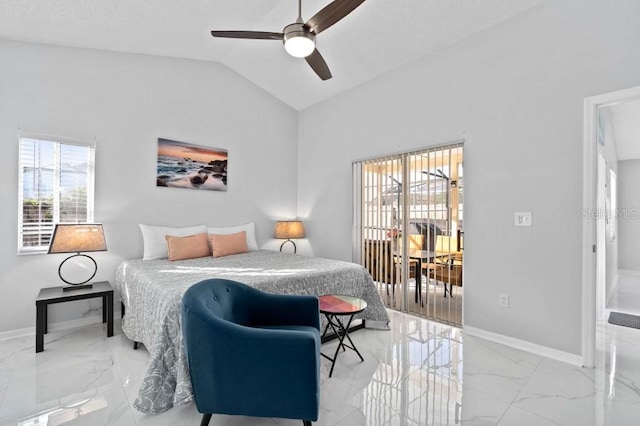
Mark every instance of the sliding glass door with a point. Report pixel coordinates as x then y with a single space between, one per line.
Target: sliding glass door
409 233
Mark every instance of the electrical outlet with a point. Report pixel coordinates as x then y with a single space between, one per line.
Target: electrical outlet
504 300
523 219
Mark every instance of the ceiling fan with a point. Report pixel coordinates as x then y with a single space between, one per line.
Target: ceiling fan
299 38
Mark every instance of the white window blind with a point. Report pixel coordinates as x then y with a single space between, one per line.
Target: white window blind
56 185
408 233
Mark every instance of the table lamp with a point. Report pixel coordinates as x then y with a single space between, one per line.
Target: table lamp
76 238
288 229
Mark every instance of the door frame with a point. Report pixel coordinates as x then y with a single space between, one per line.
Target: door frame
589 209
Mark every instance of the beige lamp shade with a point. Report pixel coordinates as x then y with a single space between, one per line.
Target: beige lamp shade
286 229
77 238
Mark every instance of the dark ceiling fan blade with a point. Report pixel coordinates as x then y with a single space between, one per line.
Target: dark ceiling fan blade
332 13
255 35
316 61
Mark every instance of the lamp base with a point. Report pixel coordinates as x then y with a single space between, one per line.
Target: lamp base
76 287
289 241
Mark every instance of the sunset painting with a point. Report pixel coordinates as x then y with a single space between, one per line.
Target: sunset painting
184 165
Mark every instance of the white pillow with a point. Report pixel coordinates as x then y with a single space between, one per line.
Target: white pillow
249 228
154 243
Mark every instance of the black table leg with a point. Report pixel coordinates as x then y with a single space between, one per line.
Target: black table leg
342 332
46 318
346 336
419 281
340 339
41 321
338 330
109 307
324 333
104 309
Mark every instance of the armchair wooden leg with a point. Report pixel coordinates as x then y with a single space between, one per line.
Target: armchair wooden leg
306 422
206 418
135 345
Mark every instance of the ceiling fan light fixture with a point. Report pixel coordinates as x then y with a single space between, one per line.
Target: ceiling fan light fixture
299 47
299 42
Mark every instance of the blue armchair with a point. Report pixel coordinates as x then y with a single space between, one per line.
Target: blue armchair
252 353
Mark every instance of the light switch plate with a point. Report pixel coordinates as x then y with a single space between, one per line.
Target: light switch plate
504 300
523 219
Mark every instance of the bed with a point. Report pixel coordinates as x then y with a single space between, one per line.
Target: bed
151 292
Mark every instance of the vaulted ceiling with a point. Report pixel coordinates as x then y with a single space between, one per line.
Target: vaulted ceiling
377 37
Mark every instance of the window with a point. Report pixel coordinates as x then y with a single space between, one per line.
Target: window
55 186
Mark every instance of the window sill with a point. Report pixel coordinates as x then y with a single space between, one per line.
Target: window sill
27 252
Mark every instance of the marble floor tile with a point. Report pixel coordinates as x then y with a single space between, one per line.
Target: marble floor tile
87 391
495 370
608 333
5 375
11 349
518 417
621 378
187 414
481 409
425 397
417 373
567 395
620 413
372 413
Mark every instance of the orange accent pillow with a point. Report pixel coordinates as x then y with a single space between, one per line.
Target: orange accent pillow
190 247
224 245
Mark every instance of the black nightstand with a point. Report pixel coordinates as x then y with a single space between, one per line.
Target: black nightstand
51 295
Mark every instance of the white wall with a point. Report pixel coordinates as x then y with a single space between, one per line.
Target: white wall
629 221
515 93
126 102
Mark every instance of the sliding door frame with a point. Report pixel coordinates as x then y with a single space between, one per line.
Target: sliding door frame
403 210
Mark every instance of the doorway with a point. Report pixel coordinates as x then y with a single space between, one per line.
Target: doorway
409 229
603 211
618 270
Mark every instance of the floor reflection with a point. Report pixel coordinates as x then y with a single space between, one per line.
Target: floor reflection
417 373
63 415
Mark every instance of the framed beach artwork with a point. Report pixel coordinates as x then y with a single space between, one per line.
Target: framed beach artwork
185 165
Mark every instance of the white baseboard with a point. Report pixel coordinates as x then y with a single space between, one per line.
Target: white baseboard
56 326
631 272
523 345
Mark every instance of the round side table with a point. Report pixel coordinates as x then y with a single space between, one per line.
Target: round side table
333 306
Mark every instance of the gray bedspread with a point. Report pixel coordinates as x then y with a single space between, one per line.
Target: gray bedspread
152 290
